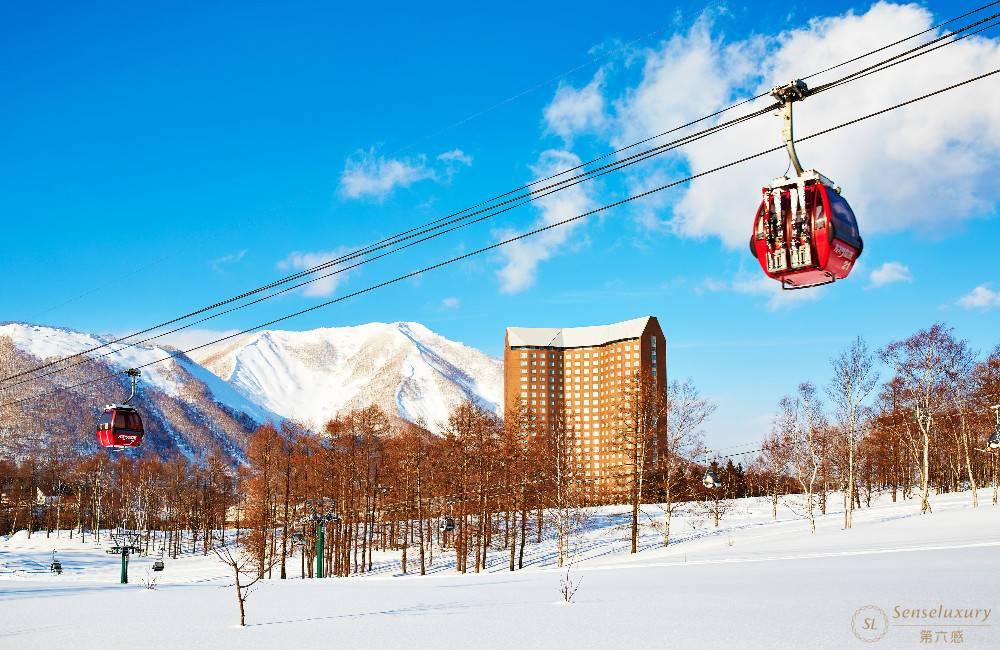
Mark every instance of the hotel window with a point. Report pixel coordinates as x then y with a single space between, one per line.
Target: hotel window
524 394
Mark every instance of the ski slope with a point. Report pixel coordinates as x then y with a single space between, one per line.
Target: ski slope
751 583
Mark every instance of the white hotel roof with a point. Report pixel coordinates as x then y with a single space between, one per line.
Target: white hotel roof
576 337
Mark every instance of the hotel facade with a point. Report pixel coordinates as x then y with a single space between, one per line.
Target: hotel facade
573 379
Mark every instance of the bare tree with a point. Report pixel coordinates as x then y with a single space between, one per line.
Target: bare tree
686 412
246 572
639 418
920 366
566 498
854 379
801 427
774 460
960 386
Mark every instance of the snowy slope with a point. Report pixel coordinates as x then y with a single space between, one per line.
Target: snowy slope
312 376
185 407
750 583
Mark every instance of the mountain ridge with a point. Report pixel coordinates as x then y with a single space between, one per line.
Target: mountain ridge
213 399
403 366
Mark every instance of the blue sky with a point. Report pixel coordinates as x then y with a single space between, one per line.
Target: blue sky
157 158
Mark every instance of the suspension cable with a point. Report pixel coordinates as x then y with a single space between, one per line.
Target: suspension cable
521 236
456 216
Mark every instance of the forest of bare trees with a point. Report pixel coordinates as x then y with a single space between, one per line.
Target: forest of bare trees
923 428
491 485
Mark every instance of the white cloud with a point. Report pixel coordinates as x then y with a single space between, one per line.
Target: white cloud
367 175
982 297
890 273
370 176
924 167
219 262
325 286
574 111
760 285
521 258
451 303
191 338
455 156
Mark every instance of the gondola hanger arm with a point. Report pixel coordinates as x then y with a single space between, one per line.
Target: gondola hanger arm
787 95
133 374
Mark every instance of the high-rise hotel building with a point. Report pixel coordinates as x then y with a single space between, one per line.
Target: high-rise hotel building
578 374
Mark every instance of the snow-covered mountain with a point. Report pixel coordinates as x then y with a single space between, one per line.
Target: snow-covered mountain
311 376
185 408
212 403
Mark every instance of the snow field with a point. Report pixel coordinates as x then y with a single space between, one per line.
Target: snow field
750 583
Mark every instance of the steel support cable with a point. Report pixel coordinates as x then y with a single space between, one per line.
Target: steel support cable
524 235
903 40
492 211
920 50
363 250
416 232
538 194
882 68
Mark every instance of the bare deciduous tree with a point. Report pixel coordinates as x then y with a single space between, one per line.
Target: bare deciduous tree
854 379
246 572
686 412
920 366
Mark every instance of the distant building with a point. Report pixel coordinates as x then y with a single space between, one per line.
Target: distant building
52 497
572 379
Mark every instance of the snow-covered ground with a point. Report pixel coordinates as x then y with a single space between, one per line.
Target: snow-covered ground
751 583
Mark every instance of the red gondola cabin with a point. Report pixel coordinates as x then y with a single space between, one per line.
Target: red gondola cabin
120 426
805 234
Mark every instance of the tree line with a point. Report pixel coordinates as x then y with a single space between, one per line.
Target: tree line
490 486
